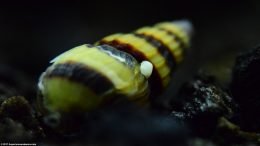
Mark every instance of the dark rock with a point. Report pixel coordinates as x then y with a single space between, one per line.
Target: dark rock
246 90
229 133
202 104
13 131
18 109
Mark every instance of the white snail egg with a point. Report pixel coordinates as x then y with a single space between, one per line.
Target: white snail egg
146 68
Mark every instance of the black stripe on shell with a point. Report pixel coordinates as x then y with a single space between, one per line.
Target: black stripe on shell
162 49
176 38
81 74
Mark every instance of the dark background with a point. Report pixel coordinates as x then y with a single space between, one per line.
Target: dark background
32 33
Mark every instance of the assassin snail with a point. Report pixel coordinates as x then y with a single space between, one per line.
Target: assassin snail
134 67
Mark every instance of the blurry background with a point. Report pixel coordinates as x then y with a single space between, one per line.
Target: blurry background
32 33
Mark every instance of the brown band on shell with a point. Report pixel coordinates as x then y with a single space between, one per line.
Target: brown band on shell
155 80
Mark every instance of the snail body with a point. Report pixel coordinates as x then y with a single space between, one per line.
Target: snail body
132 67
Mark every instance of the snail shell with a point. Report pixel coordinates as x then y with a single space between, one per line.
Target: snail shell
133 67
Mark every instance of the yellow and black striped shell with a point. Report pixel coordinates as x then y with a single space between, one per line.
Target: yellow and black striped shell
89 76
